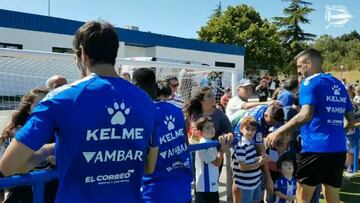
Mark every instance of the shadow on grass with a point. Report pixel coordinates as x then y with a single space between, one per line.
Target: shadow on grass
350 190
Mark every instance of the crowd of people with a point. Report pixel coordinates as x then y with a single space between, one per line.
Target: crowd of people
116 137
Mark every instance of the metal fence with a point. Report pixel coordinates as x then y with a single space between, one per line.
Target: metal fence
38 178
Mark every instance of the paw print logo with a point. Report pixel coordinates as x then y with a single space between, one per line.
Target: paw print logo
118 113
169 122
336 90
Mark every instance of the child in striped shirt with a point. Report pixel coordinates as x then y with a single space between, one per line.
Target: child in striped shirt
246 166
207 162
285 185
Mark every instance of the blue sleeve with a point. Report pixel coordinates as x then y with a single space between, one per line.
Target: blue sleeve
259 135
276 185
258 138
286 99
307 94
40 127
282 99
155 137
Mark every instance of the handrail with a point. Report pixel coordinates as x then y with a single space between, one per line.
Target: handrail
206 145
24 179
38 178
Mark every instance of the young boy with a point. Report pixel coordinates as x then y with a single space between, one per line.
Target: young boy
285 186
282 147
246 167
207 162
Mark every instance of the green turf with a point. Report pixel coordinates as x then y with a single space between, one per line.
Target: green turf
350 190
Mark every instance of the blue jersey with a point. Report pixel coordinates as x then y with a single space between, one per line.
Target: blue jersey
103 126
330 100
262 129
285 186
286 98
171 180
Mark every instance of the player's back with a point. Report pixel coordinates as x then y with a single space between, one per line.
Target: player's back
104 127
173 161
329 98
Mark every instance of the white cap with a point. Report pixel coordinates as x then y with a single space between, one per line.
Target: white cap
244 82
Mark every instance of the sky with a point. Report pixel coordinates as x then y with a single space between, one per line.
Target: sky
181 18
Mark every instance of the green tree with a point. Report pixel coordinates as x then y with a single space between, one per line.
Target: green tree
343 50
217 11
351 36
294 38
243 26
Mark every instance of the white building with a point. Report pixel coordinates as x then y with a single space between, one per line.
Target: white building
43 33
50 34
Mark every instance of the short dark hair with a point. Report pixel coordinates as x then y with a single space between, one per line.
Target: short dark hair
286 157
276 112
291 84
310 53
171 77
145 79
99 40
200 123
163 89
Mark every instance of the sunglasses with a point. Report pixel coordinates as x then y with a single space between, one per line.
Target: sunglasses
174 85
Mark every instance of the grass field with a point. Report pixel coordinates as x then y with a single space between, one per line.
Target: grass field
350 76
350 190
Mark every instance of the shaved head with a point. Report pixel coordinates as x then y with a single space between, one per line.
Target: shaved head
311 54
308 62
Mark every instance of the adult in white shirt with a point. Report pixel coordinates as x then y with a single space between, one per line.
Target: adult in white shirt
240 101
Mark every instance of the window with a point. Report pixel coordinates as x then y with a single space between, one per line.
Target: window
225 64
62 50
11 46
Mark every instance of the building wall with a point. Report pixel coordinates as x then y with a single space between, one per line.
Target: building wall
41 41
44 41
133 51
32 40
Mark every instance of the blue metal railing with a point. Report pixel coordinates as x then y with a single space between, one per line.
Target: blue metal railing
356 150
38 178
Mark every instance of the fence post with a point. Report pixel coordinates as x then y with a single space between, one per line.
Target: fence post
229 178
356 150
38 192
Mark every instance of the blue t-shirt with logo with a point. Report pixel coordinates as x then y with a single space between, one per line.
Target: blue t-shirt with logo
330 100
262 129
286 98
103 127
171 180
